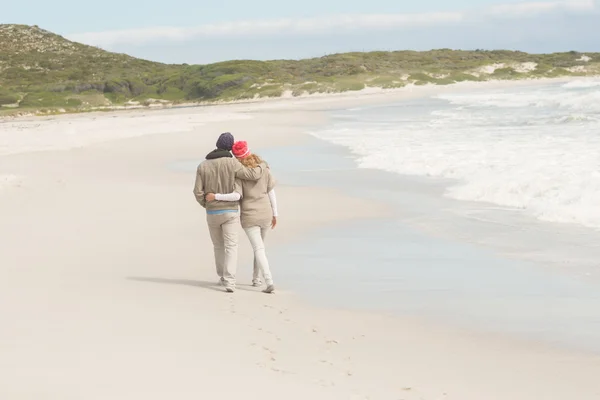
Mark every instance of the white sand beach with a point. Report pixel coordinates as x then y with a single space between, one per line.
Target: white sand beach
108 289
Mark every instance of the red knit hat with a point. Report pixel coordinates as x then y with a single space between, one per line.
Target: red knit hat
240 149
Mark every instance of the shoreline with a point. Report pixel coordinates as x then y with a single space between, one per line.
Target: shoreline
553 243
119 298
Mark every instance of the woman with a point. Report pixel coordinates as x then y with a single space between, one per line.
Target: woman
258 206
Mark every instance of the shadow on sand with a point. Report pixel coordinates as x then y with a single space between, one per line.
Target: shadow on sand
184 282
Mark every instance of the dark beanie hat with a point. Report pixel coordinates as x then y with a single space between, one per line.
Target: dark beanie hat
225 141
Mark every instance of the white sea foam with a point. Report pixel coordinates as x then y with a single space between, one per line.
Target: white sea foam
583 83
536 149
67 132
578 101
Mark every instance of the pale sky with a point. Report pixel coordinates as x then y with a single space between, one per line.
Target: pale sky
186 31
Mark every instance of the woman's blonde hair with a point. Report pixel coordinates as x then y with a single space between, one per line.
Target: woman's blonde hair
252 161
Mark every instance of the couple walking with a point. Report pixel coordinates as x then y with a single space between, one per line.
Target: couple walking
233 191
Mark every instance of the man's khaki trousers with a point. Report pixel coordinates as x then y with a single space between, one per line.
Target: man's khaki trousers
224 234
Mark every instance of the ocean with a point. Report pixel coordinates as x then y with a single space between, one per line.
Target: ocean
532 148
495 222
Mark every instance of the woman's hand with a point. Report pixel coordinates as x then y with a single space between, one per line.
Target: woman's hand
210 197
274 223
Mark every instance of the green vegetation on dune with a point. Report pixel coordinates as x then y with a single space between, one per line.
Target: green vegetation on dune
41 70
7 98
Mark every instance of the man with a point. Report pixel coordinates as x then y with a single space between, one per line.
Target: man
221 173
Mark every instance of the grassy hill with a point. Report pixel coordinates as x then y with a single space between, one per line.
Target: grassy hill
42 71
